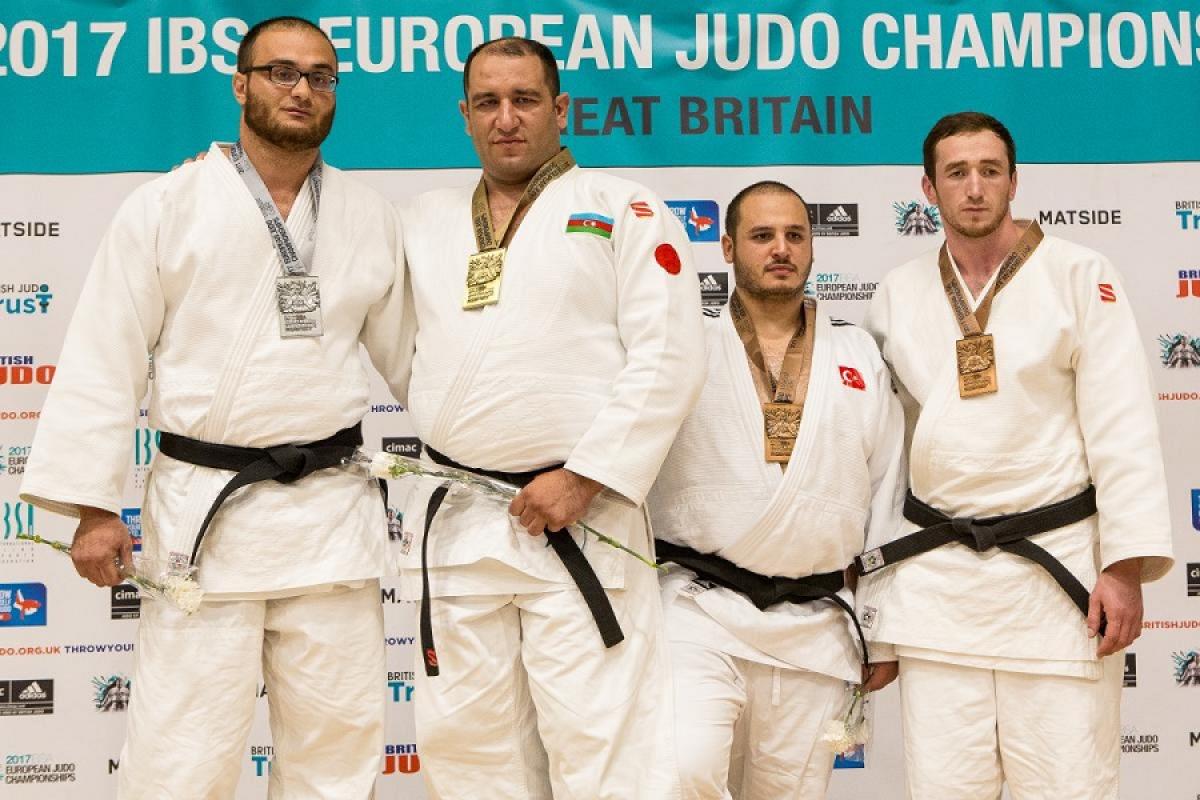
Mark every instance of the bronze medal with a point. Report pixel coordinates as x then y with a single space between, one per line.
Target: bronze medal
783 399
975 353
976 365
483 278
781 426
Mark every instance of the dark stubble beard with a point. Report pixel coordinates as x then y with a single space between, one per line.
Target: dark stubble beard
746 283
258 119
990 227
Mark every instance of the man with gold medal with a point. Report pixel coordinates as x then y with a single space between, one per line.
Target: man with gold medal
559 347
791 459
1038 503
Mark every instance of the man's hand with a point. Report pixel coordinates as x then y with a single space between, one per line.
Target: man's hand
203 154
877 676
1118 599
554 500
101 542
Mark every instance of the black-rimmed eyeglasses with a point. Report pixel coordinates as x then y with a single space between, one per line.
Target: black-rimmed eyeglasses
285 75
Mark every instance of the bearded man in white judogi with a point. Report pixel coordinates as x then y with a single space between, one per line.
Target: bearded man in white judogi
791 457
254 338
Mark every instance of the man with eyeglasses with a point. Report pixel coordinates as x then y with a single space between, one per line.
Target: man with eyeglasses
243 286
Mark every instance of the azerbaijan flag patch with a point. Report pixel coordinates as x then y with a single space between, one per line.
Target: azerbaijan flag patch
588 222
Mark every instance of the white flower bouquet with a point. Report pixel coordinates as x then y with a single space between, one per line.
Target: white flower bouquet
851 729
175 585
394 466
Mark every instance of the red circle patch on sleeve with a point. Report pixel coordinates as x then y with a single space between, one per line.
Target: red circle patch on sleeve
668 258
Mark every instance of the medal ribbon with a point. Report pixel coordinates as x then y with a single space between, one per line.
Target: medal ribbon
973 323
486 237
797 360
293 264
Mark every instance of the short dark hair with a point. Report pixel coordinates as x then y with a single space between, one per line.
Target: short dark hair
733 211
246 48
516 46
965 122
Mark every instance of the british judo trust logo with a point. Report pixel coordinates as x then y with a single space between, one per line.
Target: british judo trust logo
27 298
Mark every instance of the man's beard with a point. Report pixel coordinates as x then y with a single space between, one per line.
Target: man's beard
746 282
981 230
259 120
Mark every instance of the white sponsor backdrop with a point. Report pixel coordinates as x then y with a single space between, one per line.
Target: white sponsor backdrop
76 747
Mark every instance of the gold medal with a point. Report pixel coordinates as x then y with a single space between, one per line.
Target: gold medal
484 271
781 425
976 365
485 268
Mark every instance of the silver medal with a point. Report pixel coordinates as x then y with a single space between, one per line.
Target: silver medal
299 299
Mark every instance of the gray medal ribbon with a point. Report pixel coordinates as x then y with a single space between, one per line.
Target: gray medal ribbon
288 254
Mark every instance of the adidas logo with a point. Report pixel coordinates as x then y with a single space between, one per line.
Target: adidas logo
838 215
33 692
709 284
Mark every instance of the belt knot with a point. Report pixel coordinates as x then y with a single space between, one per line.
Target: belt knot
296 462
982 536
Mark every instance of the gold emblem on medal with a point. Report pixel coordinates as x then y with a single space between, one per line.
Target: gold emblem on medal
484 270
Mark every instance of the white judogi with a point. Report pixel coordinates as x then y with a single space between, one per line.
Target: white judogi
1074 407
592 357
187 273
782 670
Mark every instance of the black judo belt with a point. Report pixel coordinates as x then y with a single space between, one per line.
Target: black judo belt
762 590
564 547
1008 532
284 464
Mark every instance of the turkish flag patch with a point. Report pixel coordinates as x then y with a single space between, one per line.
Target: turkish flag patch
668 258
852 378
642 209
1107 295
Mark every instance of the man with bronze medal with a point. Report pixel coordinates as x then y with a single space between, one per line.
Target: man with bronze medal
790 463
558 348
1038 501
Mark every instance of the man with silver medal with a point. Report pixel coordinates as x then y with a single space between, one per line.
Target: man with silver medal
258 390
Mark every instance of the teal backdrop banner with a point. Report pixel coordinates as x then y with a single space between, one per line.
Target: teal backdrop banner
131 85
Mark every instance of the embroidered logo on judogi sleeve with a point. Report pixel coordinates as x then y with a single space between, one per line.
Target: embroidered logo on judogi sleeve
1107 295
668 258
641 209
590 222
852 378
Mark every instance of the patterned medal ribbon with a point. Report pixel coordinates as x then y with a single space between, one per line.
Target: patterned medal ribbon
783 399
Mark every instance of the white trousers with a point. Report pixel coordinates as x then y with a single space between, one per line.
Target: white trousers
530 705
751 731
968 730
193 698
